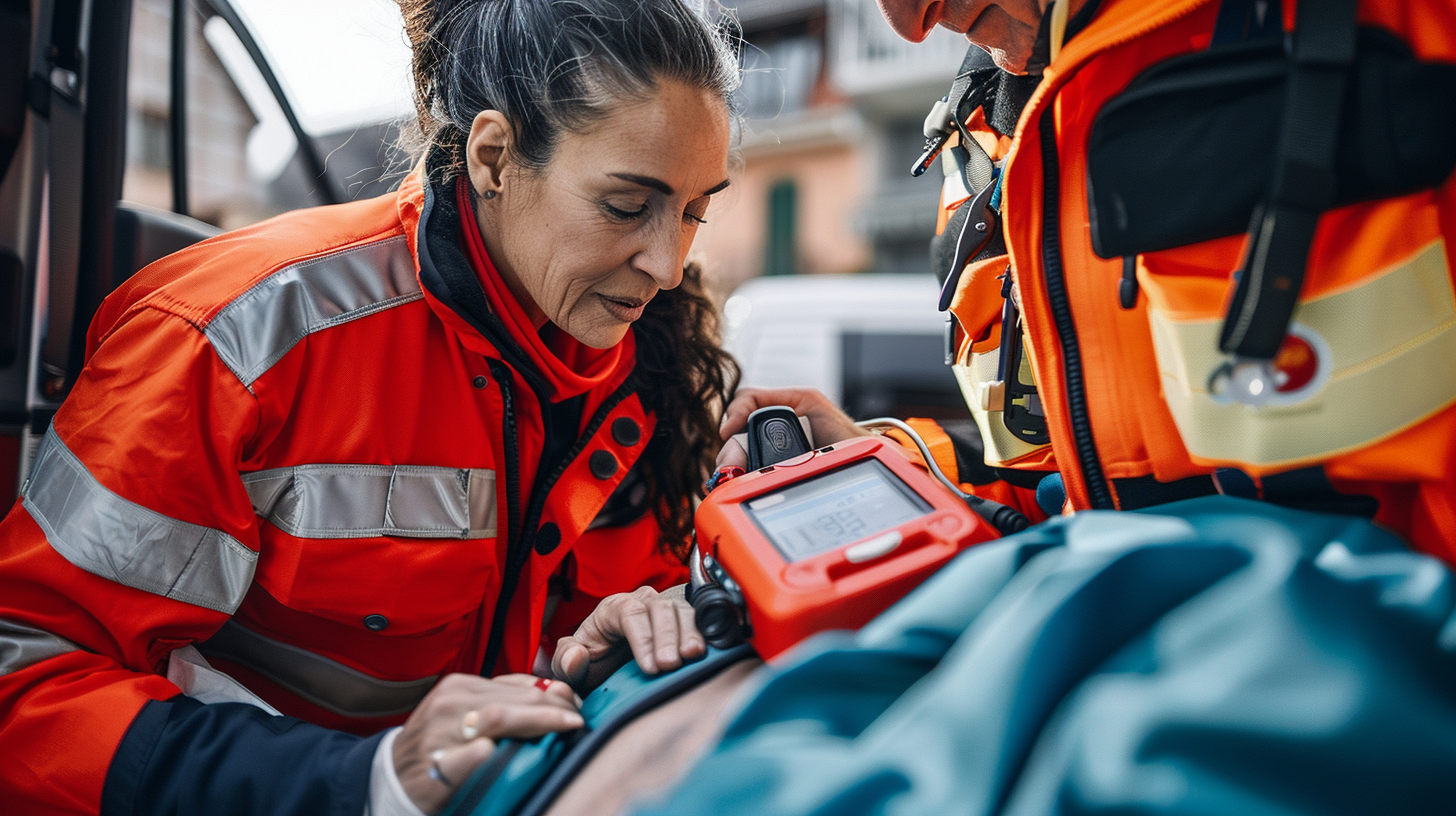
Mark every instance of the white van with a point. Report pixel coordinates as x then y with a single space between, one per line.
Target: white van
875 344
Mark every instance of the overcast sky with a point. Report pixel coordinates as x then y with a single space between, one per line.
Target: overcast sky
342 62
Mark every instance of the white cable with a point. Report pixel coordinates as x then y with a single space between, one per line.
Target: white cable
891 422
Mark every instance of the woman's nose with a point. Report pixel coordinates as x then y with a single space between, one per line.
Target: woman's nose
662 256
912 19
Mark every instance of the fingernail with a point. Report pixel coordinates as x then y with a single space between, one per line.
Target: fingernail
573 720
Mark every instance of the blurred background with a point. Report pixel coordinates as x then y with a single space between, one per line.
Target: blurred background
280 104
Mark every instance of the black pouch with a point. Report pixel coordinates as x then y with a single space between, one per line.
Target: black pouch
1185 153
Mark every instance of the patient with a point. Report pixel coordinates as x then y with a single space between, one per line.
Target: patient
1216 655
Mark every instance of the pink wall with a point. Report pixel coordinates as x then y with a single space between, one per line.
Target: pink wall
831 182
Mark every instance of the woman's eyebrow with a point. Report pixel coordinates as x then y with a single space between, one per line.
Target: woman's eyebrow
660 185
645 181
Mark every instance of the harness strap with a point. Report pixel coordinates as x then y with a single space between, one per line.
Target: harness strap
1272 273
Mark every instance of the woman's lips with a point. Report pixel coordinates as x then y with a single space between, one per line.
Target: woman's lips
626 309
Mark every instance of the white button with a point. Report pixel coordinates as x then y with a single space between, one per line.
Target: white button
874 548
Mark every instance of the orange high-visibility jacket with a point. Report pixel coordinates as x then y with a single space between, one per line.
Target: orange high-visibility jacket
297 447
1125 391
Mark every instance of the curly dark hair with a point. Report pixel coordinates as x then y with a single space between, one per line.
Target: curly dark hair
556 67
687 379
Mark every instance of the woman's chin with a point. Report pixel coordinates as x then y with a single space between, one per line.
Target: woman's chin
600 336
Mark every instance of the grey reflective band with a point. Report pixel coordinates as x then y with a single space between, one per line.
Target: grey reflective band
106 535
22 647
261 325
371 501
325 683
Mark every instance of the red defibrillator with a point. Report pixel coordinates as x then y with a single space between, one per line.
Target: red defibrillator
826 539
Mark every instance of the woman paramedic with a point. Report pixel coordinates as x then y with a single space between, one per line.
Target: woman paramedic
328 474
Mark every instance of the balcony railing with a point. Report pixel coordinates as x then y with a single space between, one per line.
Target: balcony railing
868 57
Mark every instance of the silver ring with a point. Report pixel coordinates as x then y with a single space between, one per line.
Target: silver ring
435 772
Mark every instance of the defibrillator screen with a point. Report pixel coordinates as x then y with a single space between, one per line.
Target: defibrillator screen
835 509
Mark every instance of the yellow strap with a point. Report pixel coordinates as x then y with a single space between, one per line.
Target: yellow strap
1059 11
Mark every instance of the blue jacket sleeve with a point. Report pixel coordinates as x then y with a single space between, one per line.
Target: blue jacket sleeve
231 759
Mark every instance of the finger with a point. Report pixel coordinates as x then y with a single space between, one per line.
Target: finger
549 690
602 632
732 454
571 661
636 626
735 416
500 720
457 762
690 640
662 616
826 420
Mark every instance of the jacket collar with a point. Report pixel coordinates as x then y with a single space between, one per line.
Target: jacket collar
431 221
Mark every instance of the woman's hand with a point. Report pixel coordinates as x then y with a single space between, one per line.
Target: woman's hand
828 423
456 726
655 628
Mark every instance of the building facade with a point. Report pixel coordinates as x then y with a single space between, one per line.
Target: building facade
833 105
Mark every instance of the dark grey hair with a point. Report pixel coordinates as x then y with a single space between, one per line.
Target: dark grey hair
552 66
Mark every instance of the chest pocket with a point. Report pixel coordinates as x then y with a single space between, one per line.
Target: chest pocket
401 542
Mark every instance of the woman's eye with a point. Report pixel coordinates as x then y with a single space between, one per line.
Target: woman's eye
624 214
696 212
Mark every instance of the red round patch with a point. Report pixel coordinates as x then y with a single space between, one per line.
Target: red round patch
1297 361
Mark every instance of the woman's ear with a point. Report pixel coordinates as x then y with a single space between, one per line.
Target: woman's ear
485 152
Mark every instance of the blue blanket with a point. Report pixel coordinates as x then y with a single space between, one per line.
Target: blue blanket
1212 656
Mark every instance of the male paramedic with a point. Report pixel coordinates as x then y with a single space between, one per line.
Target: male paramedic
1132 338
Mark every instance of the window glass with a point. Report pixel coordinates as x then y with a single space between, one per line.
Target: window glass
344 67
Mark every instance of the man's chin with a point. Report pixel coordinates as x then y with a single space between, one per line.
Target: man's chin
1010 62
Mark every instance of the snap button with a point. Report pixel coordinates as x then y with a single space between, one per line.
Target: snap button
625 432
547 538
480 381
376 623
603 464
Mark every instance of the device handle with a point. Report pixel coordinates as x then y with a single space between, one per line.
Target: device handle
774 434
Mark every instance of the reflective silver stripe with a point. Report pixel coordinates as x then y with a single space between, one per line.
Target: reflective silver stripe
317 679
369 501
261 325
106 535
22 647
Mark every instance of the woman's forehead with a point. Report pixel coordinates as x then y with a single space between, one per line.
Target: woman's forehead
678 135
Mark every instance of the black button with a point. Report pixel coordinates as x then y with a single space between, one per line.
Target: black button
479 381
547 538
626 432
376 623
603 464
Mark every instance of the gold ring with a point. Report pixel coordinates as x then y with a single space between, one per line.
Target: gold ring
470 726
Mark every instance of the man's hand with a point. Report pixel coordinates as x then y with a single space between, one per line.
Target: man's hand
456 726
655 628
828 423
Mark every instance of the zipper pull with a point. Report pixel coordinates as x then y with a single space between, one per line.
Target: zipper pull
1127 287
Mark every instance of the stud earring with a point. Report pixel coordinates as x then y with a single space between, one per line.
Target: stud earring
488 194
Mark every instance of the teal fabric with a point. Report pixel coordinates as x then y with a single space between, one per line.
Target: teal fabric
1213 656
507 785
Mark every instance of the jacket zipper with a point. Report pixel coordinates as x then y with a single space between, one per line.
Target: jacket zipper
1099 492
514 531
522 535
